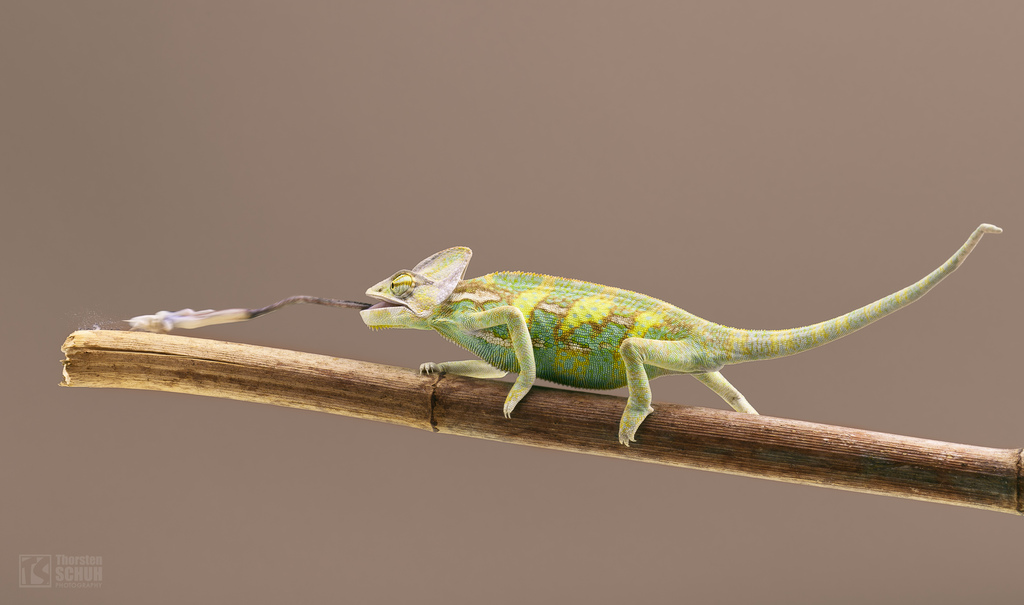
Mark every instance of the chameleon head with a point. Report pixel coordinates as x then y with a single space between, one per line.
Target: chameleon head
408 297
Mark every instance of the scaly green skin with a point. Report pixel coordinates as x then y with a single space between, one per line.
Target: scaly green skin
591 336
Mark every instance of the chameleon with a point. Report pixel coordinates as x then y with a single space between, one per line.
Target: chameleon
577 333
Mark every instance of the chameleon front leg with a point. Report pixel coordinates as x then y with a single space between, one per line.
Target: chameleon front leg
675 355
522 346
474 368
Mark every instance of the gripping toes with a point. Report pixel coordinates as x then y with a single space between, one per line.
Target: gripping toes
511 401
631 419
431 368
519 390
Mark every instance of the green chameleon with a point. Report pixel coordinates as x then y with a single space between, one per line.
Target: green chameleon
574 332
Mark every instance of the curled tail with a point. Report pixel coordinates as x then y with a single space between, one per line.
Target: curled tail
750 345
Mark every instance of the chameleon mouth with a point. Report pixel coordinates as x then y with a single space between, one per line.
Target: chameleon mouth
383 315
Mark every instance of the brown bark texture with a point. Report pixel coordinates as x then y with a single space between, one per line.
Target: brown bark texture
678 435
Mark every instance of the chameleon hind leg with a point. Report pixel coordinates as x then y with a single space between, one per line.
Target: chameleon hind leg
474 368
673 355
717 383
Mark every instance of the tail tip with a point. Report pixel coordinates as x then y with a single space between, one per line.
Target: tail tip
987 228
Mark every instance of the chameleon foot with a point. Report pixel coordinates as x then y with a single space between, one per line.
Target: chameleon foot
510 405
431 368
519 390
631 419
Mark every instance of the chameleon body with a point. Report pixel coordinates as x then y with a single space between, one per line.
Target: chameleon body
586 335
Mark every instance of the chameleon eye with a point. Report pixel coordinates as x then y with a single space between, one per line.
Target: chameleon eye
402 284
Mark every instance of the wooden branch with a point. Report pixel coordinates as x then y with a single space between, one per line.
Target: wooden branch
708 439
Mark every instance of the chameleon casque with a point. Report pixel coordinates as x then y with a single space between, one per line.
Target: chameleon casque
586 335
573 332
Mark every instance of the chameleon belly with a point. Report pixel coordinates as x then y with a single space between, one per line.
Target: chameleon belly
576 327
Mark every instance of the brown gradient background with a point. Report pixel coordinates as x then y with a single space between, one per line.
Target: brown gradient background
760 164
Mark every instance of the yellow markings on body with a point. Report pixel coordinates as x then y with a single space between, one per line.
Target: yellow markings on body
645 321
528 300
592 309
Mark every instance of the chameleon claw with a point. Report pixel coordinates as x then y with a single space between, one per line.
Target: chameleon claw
515 395
430 368
508 407
632 417
625 436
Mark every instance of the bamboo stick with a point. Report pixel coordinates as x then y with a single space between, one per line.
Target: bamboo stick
678 435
